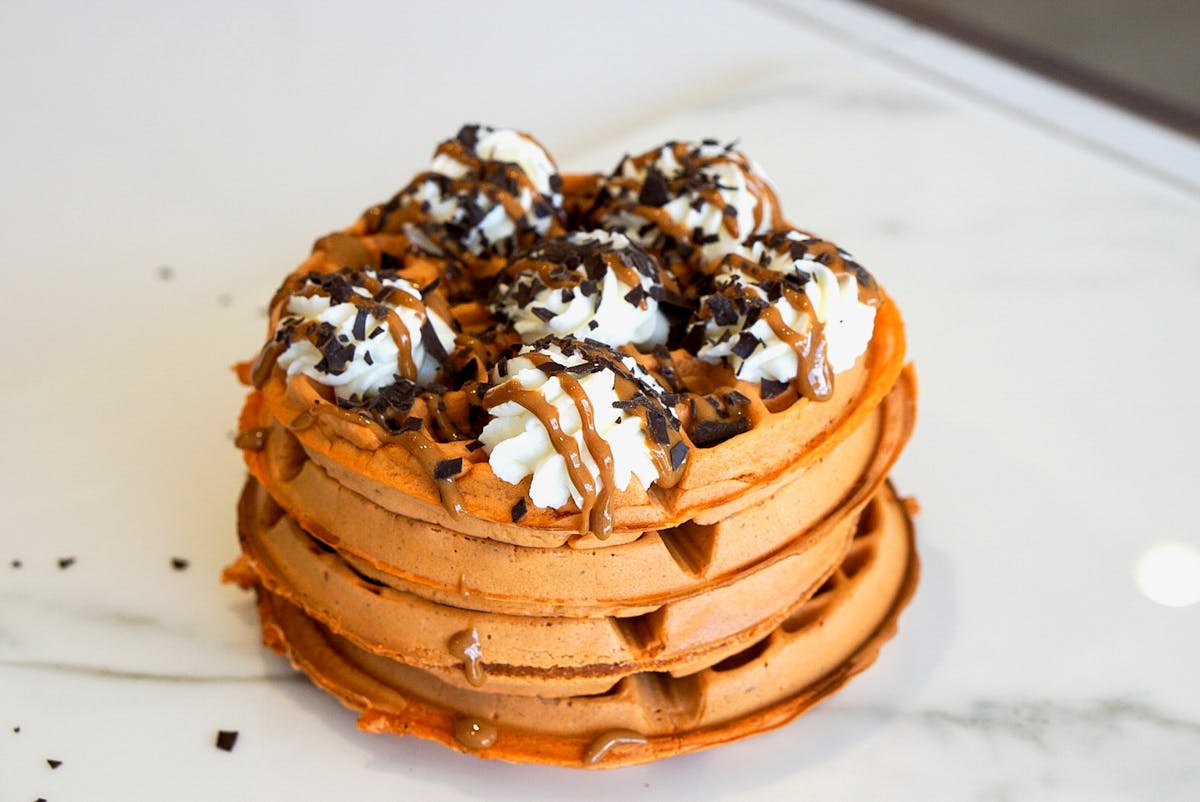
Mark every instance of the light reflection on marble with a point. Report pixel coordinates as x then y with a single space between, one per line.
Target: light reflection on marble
1050 295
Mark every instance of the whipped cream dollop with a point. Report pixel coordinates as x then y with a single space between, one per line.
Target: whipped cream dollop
689 197
487 192
594 285
609 421
789 307
357 331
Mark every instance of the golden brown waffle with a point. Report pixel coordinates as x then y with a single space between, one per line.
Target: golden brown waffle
608 579
644 716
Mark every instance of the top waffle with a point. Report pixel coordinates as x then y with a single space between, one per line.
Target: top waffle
543 359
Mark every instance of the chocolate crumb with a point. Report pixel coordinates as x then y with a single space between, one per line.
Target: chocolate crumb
179 563
16 729
518 510
226 739
52 763
447 469
65 562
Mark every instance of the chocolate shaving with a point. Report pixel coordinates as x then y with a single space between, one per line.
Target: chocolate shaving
52 763
709 433
745 345
734 398
433 346
15 563
226 739
769 388
656 421
179 563
722 309
518 510
635 296
679 453
65 562
543 314
474 445
655 191
447 469
360 324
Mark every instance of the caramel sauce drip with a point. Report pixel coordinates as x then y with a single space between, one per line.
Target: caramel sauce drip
603 743
465 646
265 363
475 733
402 337
599 516
252 439
428 454
814 378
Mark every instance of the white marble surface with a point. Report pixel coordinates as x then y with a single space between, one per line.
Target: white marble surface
1050 289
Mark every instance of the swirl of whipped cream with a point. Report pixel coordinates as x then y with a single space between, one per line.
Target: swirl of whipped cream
582 420
587 284
687 197
487 192
789 307
357 331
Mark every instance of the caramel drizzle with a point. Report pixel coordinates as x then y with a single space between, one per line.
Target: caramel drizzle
691 165
814 378
571 278
603 743
596 506
563 443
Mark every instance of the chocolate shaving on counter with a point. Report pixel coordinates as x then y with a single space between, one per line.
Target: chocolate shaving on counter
52 763
769 388
179 563
16 729
518 510
709 433
447 469
226 739
65 562
165 272
15 564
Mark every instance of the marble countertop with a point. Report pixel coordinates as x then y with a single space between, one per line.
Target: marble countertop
163 167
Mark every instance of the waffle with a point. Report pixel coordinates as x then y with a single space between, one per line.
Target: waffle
644 716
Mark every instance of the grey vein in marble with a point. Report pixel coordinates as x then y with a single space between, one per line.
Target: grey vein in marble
102 672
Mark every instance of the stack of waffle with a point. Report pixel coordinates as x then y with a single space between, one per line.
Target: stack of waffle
445 531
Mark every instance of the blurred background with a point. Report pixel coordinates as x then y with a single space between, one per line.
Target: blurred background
1140 54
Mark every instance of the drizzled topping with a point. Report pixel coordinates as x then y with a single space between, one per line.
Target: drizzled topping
582 420
488 192
589 284
788 308
361 332
696 202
